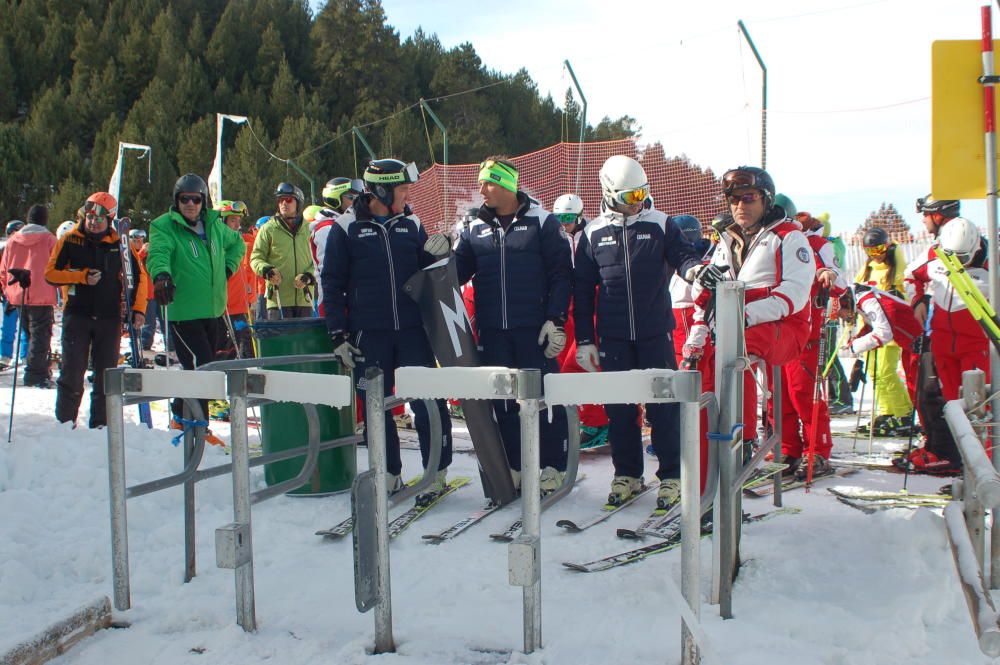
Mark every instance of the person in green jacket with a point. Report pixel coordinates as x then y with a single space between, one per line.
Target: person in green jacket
281 255
191 255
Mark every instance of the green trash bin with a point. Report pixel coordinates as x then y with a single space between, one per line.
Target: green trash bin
284 426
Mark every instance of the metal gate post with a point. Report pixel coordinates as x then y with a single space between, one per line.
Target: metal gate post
236 386
375 429
525 552
114 390
690 517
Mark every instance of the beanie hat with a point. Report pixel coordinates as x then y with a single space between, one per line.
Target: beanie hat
38 214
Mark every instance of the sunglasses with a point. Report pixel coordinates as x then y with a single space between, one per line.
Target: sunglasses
567 217
186 199
633 196
876 250
286 199
749 197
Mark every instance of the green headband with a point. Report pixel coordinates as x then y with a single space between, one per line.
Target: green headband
501 174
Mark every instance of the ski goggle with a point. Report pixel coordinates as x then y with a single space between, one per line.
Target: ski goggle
877 250
287 199
499 173
631 197
93 210
233 208
137 234
736 179
567 217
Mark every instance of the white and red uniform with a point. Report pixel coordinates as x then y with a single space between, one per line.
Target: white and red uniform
682 301
958 343
887 318
778 267
798 378
318 231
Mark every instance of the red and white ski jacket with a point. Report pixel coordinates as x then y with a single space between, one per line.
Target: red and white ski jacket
318 232
951 318
825 260
779 271
886 319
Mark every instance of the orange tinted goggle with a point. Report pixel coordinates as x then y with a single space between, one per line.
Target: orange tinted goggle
633 196
876 250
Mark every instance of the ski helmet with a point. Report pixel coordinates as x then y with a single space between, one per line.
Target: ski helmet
623 182
382 176
13 226
191 183
261 221
961 238
568 208
690 227
310 213
65 228
929 205
875 236
335 189
786 204
285 189
101 204
825 218
753 177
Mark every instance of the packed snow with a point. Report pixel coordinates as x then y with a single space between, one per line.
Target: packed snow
830 585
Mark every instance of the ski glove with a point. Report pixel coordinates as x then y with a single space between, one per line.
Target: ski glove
857 375
556 336
163 289
20 276
438 246
343 349
691 355
272 275
587 358
708 275
302 280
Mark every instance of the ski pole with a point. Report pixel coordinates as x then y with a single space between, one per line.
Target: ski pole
818 387
917 396
165 318
17 358
277 300
861 403
871 425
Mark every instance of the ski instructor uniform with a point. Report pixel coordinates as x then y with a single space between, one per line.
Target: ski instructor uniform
371 250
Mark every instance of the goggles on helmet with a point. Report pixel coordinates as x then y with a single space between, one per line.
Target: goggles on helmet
137 234
736 179
877 250
91 209
233 208
499 173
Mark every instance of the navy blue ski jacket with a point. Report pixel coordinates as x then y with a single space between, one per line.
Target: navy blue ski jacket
522 276
627 266
366 264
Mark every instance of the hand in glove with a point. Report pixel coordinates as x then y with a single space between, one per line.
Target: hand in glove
708 275
857 375
163 289
691 355
93 276
587 358
343 349
302 280
556 336
20 276
272 275
438 246
138 320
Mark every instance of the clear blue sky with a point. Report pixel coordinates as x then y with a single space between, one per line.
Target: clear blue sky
848 93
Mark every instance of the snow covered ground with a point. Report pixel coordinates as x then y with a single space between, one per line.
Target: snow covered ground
830 585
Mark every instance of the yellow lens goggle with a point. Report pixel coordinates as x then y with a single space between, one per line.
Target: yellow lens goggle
876 250
633 196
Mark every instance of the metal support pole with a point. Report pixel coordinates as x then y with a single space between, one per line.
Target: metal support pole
690 521
973 394
375 427
364 142
190 555
763 94
990 134
115 412
583 122
236 382
444 134
312 181
529 392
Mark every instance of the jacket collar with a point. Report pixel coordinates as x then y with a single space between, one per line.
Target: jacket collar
524 203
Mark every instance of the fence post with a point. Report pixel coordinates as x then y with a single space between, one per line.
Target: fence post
529 392
114 391
375 430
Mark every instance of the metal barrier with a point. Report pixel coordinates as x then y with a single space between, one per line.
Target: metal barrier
245 386
965 518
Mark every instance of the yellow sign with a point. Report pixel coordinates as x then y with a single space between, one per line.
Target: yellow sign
958 166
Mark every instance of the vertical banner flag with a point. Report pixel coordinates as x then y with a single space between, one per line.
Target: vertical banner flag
215 177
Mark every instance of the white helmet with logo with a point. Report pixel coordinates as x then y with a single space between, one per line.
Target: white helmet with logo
65 228
960 237
623 182
568 204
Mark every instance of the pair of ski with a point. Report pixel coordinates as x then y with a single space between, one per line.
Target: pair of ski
793 483
872 501
129 285
966 289
405 519
671 540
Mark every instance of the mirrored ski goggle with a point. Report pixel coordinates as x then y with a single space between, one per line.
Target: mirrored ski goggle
234 208
137 234
877 250
736 179
94 211
567 217
631 197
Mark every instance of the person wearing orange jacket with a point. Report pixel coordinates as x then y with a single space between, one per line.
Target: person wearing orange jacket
88 260
237 340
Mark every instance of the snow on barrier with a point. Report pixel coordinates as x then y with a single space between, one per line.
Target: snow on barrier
965 518
60 637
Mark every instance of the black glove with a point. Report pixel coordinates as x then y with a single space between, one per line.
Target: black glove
857 374
306 278
708 275
163 289
20 276
268 272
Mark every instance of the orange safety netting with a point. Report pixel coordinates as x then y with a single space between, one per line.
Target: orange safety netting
444 193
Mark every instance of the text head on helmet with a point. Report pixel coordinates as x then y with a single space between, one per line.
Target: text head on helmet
388 181
624 185
937 212
961 238
339 193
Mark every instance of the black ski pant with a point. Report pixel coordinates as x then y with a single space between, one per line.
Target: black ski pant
37 323
195 342
387 350
624 428
518 348
930 404
837 382
86 340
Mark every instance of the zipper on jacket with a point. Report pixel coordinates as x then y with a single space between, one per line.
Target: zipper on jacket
628 282
392 273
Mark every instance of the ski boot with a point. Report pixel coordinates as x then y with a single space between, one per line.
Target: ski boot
793 465
922 460
622 489
669 494
439 485
218 409
550 480
821 467
393 483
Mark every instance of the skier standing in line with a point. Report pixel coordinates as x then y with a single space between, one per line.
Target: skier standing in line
8 332
370 253
624 261
338 195
239 288
281 253
518 259
681 297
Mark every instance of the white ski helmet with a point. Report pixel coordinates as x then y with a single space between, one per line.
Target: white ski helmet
961 238
623 182
65 228
568 204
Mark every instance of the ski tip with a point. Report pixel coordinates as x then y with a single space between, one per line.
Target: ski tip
432 538
576 566
627 534
568 525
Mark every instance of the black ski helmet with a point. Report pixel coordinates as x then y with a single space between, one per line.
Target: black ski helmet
382 176
13 226
190 182
947 207
750 176
690 227
288 189
875 236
